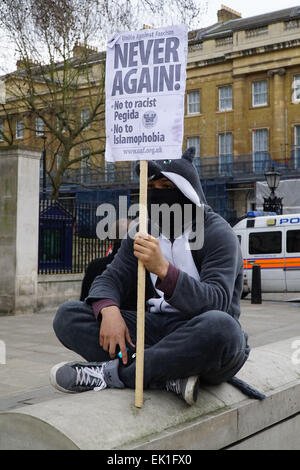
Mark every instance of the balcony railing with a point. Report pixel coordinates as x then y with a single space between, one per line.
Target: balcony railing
249 166
226 167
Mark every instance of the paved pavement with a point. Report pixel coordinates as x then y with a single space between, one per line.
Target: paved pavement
32 347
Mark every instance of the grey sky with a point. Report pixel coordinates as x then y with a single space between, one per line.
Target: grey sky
247 8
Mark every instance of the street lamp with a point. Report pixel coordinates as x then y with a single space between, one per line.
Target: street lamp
273 203
44 165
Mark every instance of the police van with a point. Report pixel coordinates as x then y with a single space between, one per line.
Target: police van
272 242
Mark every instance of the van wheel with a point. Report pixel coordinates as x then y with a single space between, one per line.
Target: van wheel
244 294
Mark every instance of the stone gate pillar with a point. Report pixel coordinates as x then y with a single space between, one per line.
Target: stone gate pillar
19 216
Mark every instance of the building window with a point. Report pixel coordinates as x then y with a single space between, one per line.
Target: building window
133 173
2 92
250 33
225 153
225 98
85 116
259 93
225 144
293 241
1 131
85 154
260 150
58 159
39 126
193 102
60 122
297 147
292 24
196 47
19 129
265 243
85 163
296 89
194 142
109 172
224 41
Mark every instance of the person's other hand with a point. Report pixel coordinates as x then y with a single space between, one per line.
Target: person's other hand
113 332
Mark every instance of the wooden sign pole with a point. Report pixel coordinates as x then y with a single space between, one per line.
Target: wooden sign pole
139 377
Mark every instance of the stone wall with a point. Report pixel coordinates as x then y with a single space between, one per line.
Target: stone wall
222 418
55 289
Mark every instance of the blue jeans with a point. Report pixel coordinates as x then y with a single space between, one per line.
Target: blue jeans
211 345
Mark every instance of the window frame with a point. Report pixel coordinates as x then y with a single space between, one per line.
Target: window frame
266 103
85 156
2 130
58 157
224 42
268 233
84 164
225 158
222 87
109 171
295 99
83 119
39 133
296 147
254 133
225 134
286 243
291 24
63 129
195 103
198 147
260 151
256 32
18 135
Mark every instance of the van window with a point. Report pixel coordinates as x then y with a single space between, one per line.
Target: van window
293 241
263 243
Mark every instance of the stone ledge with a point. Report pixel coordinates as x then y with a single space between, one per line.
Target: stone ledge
109 419
43 278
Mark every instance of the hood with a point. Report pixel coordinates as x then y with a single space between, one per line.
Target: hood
183 174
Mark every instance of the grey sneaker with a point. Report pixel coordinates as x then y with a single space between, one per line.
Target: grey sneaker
75 377
187 388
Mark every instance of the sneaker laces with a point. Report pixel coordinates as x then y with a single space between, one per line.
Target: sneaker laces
174 386
91 376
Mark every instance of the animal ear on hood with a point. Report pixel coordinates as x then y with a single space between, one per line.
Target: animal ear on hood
189 154
154 171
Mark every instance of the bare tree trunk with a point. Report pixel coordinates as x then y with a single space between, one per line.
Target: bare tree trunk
58 177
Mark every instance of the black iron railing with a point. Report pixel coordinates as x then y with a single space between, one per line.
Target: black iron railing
228 167
249 166
67 237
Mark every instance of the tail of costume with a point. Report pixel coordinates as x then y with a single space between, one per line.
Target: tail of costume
246 388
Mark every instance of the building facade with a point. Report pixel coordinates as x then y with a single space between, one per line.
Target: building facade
243 98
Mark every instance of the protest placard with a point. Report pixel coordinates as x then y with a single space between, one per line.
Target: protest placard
145 87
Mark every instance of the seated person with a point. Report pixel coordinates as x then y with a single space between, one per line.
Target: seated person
192 329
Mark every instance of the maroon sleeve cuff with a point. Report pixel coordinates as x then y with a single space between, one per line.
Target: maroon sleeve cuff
100 304
167 286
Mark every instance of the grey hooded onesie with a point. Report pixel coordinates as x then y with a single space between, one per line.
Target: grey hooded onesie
198 333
